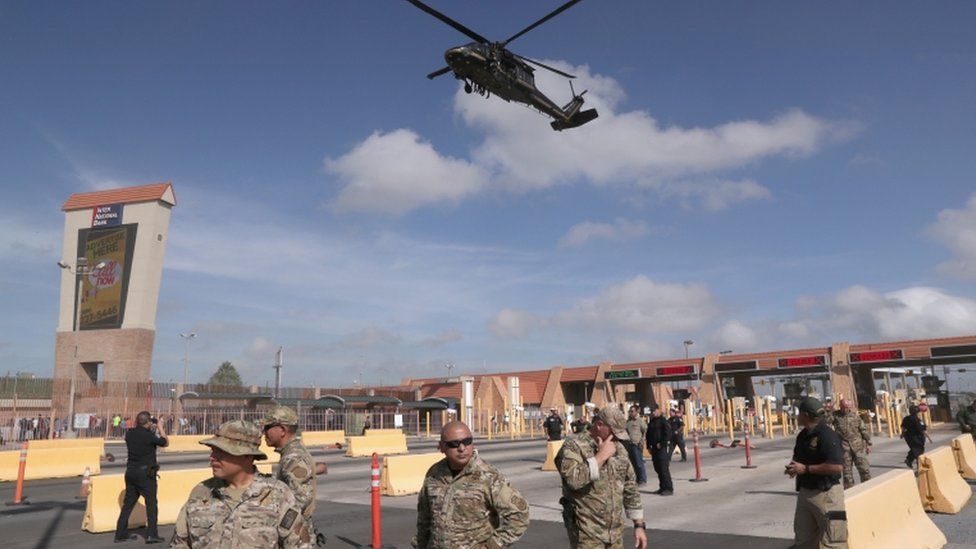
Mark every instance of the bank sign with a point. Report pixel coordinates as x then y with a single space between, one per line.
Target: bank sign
106 216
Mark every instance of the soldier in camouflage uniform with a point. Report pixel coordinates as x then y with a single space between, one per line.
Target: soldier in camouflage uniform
855 441
296 468
239 507
599 485
466 503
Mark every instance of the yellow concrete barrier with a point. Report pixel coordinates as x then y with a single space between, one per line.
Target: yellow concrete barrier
964 450
376 432
191 443
939 485
552 448
381 444
323 438
62 443
883 513
186 443
403 475
47 463
108 491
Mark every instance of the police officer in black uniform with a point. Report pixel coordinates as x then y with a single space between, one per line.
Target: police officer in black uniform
553 425
677 423
140 476
658 438
817 466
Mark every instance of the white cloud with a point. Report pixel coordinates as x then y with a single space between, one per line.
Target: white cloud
643 306
370 337
625 349
396 172
512 323
737 336
956 230
442 338
714 195
621 229
29 241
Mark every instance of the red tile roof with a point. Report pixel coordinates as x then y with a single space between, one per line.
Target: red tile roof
126 195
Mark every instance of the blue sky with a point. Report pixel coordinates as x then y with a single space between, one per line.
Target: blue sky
761 176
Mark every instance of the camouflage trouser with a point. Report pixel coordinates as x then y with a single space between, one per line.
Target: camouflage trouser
858 459
579 540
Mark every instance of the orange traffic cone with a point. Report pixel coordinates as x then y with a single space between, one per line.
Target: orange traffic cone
85 484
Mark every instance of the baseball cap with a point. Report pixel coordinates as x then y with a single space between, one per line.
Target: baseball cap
237 438
279 415
614 418
811 406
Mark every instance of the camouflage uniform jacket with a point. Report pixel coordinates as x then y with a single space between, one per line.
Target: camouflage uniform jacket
475 509
596 498
266 516
966 417
851 429
297 470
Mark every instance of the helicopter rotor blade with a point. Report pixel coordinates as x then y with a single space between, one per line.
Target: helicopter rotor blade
544 66
552 14
439 72
457 26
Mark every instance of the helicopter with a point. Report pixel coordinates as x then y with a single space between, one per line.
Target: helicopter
488 68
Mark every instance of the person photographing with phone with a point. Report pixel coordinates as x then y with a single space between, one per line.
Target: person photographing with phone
140 476
600 485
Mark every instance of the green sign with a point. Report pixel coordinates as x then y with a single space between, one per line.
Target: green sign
621 374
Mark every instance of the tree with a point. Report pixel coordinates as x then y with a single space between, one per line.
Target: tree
226 374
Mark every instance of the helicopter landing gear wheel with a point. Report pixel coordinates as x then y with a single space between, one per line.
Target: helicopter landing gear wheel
467 88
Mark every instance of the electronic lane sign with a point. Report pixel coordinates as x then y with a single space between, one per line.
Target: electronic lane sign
947 351
613 375
744 366
876 356
669 371
802 361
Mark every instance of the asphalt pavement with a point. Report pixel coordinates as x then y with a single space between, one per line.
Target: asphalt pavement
747 508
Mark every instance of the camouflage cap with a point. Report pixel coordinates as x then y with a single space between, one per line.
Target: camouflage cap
237 438
279 415
615 419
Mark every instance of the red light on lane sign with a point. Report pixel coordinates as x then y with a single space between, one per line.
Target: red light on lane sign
802 361
676 370
877 356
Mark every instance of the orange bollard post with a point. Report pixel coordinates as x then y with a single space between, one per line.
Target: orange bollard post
748 464
375 489
21 470
698 475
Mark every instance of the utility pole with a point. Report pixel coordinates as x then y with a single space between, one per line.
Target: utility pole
277 369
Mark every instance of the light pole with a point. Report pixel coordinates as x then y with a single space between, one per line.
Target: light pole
186 355
80 271
687 343
449 366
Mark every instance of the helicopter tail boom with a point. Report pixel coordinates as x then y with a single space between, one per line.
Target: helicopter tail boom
576 120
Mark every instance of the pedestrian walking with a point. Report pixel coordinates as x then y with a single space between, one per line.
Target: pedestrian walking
658 441
818 463
465 503
677 440
599 485
914 431
636 433
553 425
140 476
238 507
855 441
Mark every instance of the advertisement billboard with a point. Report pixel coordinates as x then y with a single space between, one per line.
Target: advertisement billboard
104 287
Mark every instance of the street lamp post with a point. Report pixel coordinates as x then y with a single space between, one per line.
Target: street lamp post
81 270
186 355
687 343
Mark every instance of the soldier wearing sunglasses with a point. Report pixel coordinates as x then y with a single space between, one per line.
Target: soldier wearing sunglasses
466 503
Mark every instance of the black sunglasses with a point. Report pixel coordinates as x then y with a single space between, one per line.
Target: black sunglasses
456 443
